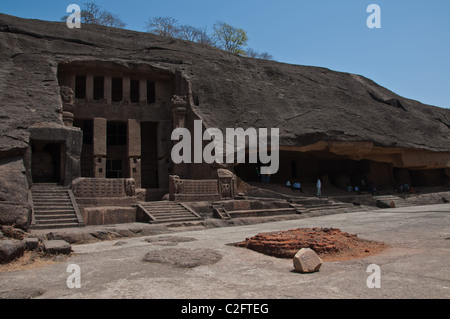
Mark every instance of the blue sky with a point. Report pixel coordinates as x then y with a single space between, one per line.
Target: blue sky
409 54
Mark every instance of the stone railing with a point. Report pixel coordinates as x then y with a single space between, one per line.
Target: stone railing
104 192
103 187
204 189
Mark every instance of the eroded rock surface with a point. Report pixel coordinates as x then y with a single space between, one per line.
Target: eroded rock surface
183 258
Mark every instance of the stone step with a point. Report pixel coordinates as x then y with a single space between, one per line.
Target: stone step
167 211
384 201
46 203
49 190
181 219
155 207
170 213
50 198
53 207
54 216
58 221
54 226
55 210
162 212
165 216
262 212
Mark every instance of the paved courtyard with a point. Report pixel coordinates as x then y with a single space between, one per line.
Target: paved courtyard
415 266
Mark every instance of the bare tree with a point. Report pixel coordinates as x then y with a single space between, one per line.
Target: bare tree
194 34
224 36
112 20
257 55
94 14
165 26
204 38
188 33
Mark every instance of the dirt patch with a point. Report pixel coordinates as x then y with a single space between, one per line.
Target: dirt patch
32 259
331 244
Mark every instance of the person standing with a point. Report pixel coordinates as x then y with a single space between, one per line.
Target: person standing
319 187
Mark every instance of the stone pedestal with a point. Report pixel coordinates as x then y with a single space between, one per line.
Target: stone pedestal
227 183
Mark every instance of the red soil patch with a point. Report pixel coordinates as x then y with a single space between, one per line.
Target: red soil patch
331 244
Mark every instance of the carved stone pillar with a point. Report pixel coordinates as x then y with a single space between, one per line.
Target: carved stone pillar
134 150
107 89
142 92
68 99
179 109
89 87
99 147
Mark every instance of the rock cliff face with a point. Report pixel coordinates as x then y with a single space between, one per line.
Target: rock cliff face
314 107
308 104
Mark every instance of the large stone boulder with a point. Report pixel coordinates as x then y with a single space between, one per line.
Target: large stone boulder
16 214
10 250
57 247
14 183
14 208
306 260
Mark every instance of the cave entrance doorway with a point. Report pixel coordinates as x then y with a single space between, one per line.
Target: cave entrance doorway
47 162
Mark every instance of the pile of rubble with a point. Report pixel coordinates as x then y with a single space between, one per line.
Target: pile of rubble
327 243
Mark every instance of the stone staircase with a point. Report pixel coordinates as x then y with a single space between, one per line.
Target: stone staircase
54 207
166 212
384 201
323 205
219 211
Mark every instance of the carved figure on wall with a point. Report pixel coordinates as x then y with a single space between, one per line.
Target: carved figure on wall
130 187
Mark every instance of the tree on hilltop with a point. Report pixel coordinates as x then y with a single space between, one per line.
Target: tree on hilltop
91 13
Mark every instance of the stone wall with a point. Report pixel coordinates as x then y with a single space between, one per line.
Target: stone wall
109 215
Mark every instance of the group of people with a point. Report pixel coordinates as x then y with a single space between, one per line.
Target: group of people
370 188
297 186
405 188
294 186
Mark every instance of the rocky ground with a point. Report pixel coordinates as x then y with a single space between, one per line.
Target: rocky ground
20 249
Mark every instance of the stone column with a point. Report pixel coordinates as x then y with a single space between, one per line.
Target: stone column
72 81
164 146
99 147
126 90
89 87
107 89
143 92
179 109
68 100
134 150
